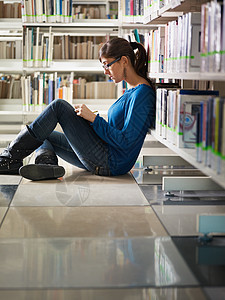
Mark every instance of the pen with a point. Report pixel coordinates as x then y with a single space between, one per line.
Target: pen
95 111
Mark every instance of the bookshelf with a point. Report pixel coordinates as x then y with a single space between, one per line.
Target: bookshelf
162 16
157 15
13 113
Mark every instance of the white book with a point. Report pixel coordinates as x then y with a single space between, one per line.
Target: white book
3 48
18 49
23 11
164 115
204 11
212 36
27 94
179 44
39 11
194 35
27 51
66 12
217 40
50 47
30 11
23 92
166 50
36 49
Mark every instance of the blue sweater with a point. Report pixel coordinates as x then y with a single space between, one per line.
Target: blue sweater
128 121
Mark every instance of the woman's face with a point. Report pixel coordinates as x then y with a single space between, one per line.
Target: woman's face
115 70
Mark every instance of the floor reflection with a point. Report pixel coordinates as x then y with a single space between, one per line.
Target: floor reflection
92 263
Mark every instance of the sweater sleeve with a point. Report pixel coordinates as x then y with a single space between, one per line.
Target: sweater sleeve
137 118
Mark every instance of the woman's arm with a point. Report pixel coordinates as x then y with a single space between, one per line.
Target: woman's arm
139 116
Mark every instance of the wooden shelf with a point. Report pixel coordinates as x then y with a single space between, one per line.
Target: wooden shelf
11 66
9 24
65 66
102 23
190 156
172 10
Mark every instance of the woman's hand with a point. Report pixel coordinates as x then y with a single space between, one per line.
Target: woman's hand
84 112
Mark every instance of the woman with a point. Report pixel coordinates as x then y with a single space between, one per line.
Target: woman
88 141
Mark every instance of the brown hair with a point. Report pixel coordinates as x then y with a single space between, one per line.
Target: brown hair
118 47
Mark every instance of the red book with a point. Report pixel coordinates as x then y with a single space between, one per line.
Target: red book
131 7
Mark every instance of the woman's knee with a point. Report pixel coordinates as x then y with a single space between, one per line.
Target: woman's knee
61 104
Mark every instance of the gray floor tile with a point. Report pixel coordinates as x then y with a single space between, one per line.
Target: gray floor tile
206 261
180 220
78 193
10 179
3 211
106 294
34 222
6 194
92 263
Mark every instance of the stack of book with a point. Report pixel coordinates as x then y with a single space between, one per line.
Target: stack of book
100 90
152 6
37 47
213 37
11 49
193 119
10 10
40 47
46 11
210 143
77 47
175 48
10 87
133 11
65 11
83 89
40 89
89 12
176 118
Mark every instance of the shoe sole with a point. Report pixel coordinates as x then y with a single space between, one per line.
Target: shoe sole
41 172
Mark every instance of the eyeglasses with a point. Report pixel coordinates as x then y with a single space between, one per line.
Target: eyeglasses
106 67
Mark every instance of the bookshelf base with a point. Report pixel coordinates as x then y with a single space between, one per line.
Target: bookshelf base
190 156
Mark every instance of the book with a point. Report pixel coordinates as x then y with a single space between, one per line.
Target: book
185 96
193 49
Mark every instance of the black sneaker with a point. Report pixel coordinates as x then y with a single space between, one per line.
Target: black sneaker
41 171
10 166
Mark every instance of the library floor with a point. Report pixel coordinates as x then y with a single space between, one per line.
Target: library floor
88 237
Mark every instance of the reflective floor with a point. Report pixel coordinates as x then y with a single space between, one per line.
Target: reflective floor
87 237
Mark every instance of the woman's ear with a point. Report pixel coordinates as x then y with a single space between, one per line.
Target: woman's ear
124 60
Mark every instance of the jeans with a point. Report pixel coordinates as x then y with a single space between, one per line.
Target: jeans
78 144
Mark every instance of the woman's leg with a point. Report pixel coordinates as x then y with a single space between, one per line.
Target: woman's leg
79 134
58 143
